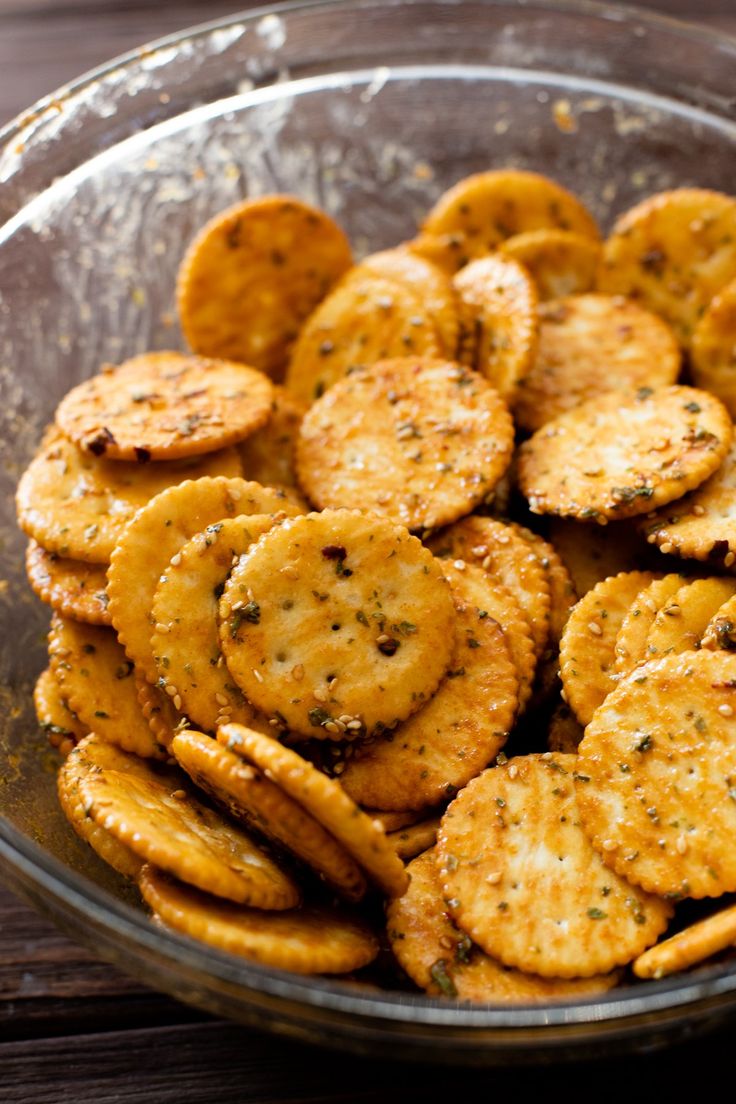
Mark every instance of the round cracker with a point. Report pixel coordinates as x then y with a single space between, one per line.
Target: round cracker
561 589
589 345
415 838
508 558
428 281
333 615
72 588
659 763
164 406
592 553
560 262
624 453
185 638
156 534
310 940
713 350
631 641
444 961
90 754
720 632
168 826
419 441
253 275
588 645
97 681
77 506
679 625
431 756
688 947
702 525
672 253
499 328
326 800
268 454
63 728
479 212
521 878
162 716
248 796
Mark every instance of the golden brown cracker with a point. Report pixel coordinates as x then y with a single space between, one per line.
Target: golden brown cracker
479 212
688 947
337 624
560 262
165 406
588 345
157 533
443 961
252 276
184 635
268 454
415 838
521 878
672 253
248 796
63 728
327 802
169 826
77 506
713 349
679 625
592 552
417 440
588 645
657 767
162 716
702 524
624 453
561 589
309 940
508 557
631 641
499 324
72 588
97 679
431 756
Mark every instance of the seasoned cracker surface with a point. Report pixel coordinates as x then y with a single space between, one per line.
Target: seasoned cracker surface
248 796
433 754
588 645
702 525
309 940
498 311
656 771
170 827
268 454
624 453
679 625
480 211
97 681
77 506
71 587
444 961
419 441
184 636
631 641
692 945
521 878
593 552
713 351
337 619
164 406
508 557
326 800
591 344
156 534
252 276
560 262
62 727
672 253
158 708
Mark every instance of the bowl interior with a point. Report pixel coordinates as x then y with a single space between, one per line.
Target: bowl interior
367 109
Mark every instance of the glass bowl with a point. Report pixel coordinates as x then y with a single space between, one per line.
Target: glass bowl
369 108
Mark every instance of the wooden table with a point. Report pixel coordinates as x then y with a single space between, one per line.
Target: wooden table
71 1028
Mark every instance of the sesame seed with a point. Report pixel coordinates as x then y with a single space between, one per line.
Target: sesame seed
513 771
176 560
652 538
698 510
725 710
681 845
480 550
274 722
319 695
290 571
354 725
297 673
487 563
171 691
666 547
345 719
257 675
382 638
494 877
220 699
160 627
331 727
179 794
459 565
177 701
609 845
595 628
237 605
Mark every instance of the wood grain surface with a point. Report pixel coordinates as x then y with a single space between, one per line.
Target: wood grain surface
72 1029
